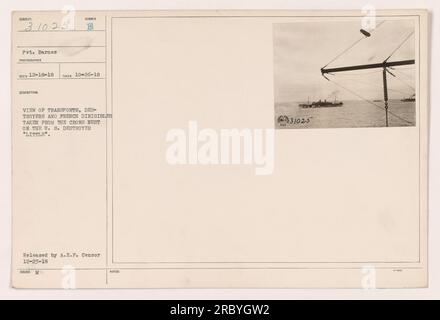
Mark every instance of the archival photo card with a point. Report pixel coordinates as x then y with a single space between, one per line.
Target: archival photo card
145 152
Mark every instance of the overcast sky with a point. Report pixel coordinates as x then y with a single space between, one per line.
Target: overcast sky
301 49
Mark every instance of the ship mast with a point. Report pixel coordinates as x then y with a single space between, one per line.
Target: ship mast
383 65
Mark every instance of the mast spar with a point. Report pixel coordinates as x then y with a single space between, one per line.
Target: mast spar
384 65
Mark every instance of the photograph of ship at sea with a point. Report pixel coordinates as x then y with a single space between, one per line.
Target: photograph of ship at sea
345 74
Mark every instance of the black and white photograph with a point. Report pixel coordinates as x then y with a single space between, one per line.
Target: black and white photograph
345 74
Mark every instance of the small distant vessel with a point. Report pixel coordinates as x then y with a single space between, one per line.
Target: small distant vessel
378 100
409 99
321 104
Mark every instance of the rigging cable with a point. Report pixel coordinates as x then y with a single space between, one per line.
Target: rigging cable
400 45
395 50
352 45
406 83
379 86
371 102
405 75
374 84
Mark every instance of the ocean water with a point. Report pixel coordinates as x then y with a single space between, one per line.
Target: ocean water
353 114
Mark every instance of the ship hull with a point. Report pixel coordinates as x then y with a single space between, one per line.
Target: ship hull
321 105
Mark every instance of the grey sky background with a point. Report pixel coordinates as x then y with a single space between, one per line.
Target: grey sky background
301 49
